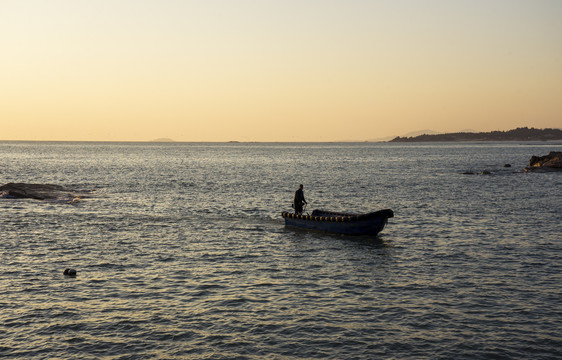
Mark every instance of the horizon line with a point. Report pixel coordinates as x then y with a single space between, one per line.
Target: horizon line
385 139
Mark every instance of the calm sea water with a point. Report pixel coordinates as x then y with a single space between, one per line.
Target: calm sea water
181 253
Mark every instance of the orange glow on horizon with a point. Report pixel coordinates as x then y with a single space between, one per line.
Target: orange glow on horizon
255 71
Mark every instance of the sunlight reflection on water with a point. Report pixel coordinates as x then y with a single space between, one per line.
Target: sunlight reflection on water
181 252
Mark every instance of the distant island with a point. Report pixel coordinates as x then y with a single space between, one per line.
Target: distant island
519 134
163 140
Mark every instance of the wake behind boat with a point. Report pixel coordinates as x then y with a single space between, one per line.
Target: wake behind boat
340 223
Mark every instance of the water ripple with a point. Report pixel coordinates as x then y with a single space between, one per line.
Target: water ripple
181 253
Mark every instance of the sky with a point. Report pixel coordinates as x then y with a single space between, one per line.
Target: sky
276 70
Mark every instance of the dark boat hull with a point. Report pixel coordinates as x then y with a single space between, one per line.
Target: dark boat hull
340 223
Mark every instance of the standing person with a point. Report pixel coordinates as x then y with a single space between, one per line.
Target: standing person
299 200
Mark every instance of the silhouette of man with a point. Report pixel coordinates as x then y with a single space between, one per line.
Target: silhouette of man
299 200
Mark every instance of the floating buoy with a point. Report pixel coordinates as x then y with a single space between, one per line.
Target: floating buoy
69 272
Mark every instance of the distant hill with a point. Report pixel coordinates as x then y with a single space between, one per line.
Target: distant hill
420 132
163 140
410 134
519 134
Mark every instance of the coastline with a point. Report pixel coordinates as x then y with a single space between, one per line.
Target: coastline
519 134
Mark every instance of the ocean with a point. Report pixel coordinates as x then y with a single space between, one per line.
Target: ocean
181 252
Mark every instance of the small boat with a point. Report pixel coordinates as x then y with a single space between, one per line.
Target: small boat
340 223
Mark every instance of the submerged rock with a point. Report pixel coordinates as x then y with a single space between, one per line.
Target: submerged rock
69 272
550 162
39 192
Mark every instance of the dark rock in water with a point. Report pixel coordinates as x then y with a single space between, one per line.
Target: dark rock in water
550 162
69 272
30 191
38 192
507 165
486 172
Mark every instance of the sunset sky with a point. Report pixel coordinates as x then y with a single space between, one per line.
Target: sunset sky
284 70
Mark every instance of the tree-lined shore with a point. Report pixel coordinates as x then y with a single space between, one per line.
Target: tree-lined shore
519 134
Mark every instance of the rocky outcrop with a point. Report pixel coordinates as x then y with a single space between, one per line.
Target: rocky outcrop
550 162
39 192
